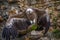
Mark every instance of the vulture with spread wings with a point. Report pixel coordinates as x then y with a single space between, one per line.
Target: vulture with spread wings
22 23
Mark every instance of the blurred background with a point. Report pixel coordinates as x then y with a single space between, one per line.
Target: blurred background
9 7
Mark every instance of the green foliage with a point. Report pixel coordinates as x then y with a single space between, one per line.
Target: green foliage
56 33
34 27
